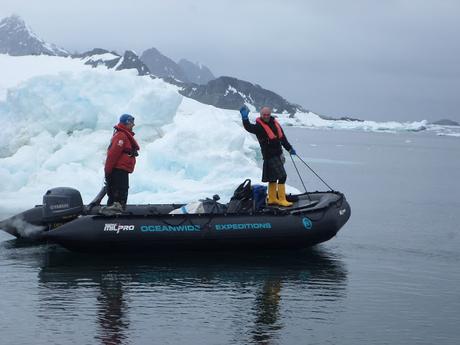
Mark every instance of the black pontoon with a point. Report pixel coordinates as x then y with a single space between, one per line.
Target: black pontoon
314 218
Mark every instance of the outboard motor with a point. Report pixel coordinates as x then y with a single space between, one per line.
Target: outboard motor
61 203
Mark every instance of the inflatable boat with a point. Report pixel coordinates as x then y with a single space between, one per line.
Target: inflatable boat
63 219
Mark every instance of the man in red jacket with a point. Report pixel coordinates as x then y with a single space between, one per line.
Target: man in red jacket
120 162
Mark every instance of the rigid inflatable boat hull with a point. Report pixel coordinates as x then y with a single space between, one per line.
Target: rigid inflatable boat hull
313 218
129 233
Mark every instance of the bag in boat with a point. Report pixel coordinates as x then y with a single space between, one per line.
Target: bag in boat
241 201
259 195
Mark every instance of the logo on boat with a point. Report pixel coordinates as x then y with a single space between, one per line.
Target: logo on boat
307 224
115 227
342 212
170 228
244 226
57 206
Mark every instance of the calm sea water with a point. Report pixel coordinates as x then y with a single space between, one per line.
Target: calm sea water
391 276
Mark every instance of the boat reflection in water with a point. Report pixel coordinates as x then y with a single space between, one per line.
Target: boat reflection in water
242 296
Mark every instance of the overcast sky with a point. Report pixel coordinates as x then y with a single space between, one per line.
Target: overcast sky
370 59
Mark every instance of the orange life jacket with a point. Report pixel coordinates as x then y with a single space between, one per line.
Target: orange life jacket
269 131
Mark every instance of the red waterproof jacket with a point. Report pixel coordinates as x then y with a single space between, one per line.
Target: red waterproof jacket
122 150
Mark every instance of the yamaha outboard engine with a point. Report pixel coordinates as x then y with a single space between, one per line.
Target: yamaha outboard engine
61 203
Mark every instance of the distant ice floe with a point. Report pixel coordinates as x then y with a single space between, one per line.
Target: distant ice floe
447 131
312 120
450 134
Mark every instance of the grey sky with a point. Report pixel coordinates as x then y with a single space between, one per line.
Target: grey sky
371 59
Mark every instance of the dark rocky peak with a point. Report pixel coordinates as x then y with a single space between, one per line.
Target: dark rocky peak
130 60
110 59
17 39
162 66
232 93
196 73
97 57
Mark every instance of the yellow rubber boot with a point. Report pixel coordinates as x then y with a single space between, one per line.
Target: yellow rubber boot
282 196
272 199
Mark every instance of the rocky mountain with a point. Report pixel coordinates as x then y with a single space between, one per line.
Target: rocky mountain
162 66
131 60
232 93
17 39
99 56
194 80
111 59
183 72
196 72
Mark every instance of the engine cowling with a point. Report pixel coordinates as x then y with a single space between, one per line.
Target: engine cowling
61 203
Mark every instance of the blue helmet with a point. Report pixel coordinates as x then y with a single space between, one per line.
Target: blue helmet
126 118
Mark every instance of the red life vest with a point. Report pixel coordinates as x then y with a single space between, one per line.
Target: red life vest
269 131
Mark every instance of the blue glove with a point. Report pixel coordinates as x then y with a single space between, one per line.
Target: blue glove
292 151
244 111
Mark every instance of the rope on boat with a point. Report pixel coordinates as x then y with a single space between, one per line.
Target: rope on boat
310 170
295 166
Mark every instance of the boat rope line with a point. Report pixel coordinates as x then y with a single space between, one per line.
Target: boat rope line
298 173
311 171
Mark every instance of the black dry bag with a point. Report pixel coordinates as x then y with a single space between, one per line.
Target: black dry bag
241 201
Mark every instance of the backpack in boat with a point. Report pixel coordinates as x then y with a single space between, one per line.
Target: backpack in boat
259 196
241 201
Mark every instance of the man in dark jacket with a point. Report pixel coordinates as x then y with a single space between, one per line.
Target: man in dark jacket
271 137
120 162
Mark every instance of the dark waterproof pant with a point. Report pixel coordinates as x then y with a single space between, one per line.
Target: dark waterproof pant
117 187
273 170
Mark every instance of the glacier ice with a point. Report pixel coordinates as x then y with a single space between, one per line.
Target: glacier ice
59 126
